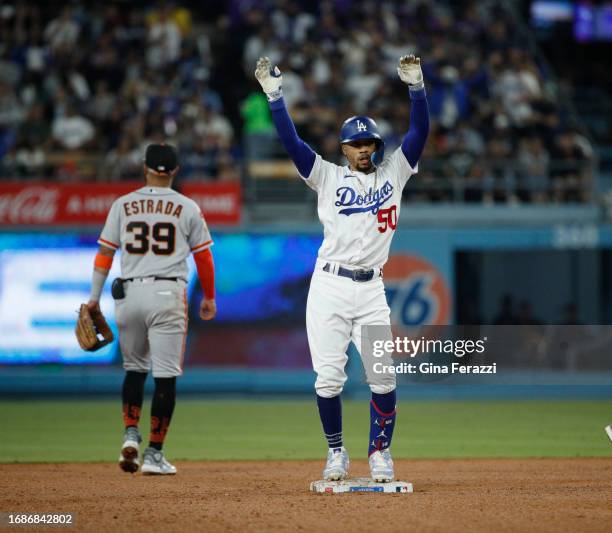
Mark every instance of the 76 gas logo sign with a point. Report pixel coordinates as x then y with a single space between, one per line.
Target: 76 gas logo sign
416 292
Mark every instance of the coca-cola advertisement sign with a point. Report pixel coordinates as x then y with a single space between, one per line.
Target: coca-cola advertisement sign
28 205
51 204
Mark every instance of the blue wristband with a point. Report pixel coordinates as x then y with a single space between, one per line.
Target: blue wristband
417 93
277 104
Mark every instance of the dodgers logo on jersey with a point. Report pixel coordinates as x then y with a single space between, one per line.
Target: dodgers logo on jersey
371 201
416 291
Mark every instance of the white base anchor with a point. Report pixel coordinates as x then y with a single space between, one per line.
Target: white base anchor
362 484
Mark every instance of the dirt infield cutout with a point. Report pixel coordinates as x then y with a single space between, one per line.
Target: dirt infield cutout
449 495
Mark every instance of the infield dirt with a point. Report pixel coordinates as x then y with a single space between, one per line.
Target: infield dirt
450 495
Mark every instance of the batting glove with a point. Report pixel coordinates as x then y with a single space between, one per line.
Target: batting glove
409 71
270 79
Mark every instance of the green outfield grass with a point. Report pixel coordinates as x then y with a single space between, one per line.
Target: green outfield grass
55 431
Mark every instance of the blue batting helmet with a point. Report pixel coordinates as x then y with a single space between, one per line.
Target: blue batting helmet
362 127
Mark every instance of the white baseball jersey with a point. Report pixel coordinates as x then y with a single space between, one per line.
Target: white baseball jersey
156 228
359 212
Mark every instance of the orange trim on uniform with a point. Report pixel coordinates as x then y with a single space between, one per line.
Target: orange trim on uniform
108 243
206 272
201 245
185 333
104 262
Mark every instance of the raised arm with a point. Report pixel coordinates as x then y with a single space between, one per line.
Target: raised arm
409 71
271 81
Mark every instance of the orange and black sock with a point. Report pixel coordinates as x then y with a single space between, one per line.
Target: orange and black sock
132 396
162 408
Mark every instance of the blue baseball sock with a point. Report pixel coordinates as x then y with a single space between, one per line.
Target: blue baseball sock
382 421
330 411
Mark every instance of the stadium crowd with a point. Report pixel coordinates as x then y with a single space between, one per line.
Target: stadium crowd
85 88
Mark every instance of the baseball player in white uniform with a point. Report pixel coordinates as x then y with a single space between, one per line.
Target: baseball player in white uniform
358 205
156 228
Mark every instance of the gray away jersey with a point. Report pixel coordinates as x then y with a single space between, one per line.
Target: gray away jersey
156 229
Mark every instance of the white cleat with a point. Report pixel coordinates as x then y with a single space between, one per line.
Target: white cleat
337 464
381 466
128 458
154 463
608 430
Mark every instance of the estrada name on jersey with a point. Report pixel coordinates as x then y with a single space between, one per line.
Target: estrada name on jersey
359 212
165 207
156 229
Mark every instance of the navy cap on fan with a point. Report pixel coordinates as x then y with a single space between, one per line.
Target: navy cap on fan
161 157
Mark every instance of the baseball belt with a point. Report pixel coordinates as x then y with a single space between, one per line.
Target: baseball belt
153 278
359 275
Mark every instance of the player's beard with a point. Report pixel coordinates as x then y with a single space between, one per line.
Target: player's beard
365 165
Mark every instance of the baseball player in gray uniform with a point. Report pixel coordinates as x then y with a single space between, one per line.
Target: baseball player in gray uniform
156 228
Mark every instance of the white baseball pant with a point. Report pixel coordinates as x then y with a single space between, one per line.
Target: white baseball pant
336 310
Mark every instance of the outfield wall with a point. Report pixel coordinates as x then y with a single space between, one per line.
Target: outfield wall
258 342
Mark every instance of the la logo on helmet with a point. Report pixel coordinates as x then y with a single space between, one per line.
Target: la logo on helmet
361 126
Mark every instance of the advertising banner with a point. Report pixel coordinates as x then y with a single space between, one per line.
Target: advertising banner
88 203
220 202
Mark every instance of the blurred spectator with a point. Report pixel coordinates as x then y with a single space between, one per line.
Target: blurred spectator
516 86
455 86
210 124
498 133
199 161
567 172
63 31
102 103
71 130
534 162
163 40
24 160
499 176
227 169
290 22
123 162
11 114
330 150
263 43
293 86
35 129
363 85
473 183
260 138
